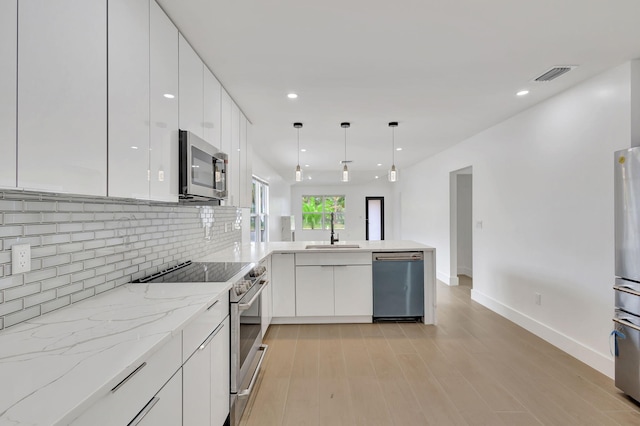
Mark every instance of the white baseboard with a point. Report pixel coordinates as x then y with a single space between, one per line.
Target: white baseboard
447 279
596 360
464 270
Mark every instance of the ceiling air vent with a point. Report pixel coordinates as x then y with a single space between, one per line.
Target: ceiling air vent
554 73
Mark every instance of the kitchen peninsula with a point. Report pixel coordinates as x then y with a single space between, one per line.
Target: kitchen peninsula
285 257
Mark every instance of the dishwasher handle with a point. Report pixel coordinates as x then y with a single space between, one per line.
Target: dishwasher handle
398 256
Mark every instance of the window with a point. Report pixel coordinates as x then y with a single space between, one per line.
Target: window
260 211
317 209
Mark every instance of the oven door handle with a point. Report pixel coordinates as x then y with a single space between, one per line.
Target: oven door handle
245 393
245 306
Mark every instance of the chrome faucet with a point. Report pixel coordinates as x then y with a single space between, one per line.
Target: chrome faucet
333 237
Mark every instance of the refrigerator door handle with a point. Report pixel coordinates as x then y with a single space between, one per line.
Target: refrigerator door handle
626 324
626 290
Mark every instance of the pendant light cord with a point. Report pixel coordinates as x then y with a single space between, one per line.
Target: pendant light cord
345 145
393 146
298 129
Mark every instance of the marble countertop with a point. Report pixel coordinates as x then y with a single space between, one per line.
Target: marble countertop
255 252
56 366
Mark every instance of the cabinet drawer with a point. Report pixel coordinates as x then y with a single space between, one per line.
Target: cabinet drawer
363 258
129 396
197 331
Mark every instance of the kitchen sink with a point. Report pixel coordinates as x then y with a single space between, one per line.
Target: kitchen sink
329 246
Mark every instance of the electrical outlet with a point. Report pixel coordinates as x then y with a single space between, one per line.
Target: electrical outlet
538 299
20 258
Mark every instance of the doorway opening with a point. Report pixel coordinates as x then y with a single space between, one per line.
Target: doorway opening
374 218
461 227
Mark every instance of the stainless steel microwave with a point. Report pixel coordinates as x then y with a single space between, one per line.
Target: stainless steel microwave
203 169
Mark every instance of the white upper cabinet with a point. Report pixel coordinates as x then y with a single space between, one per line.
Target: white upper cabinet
128 34
225 125
8 84
62 96
212 105
234 157
246 153
191 89
163 148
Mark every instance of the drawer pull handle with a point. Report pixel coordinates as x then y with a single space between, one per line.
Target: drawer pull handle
144 411
213 304
626 290
626 324
245 393
211 336
119 385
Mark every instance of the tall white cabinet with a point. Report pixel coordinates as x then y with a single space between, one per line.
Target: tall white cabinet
8 83
211 108
128 35
62 104
191 89
163 106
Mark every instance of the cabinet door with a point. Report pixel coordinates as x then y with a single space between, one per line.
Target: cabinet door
234 157
242 160
314 291
163 74
220 365
225 122
248 167
167 405
8 84
353 288
212 104
196 392
129 98
283 281
62 96
191 89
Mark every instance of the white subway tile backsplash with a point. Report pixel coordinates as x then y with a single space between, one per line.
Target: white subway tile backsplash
81 248
40 229
76 297
21 291
21 316
55 304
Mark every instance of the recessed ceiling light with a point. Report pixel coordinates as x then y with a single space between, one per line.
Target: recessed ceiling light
309 177
522 93
306 165
134 147
168 96
292 96
379 164
303 150
398 149
377 177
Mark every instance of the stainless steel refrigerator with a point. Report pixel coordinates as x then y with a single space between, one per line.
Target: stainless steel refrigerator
627 283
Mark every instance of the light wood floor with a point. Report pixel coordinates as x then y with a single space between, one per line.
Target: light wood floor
473 368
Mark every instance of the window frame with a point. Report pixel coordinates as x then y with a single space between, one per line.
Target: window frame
324 214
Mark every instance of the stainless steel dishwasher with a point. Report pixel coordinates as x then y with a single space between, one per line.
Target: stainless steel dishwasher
398 286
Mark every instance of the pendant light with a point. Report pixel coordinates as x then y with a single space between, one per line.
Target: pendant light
345 170
393 173
297 126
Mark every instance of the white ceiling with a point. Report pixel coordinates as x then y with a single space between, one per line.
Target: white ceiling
444 70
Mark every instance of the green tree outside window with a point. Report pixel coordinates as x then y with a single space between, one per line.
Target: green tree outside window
317 209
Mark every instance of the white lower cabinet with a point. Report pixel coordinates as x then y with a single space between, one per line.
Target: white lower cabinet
128 397
267 297
205 393
314 291
353 289
283 281
329 285
165 408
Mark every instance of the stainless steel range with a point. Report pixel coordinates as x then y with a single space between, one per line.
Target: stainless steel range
245 308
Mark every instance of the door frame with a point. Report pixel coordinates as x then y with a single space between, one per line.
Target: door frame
366 216
453 222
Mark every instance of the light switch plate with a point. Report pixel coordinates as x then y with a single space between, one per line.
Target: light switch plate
20 258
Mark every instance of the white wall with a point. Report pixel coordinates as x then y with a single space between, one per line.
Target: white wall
354 209
464 230
279 196
543 189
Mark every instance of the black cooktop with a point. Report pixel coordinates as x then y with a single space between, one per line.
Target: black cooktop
198 272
